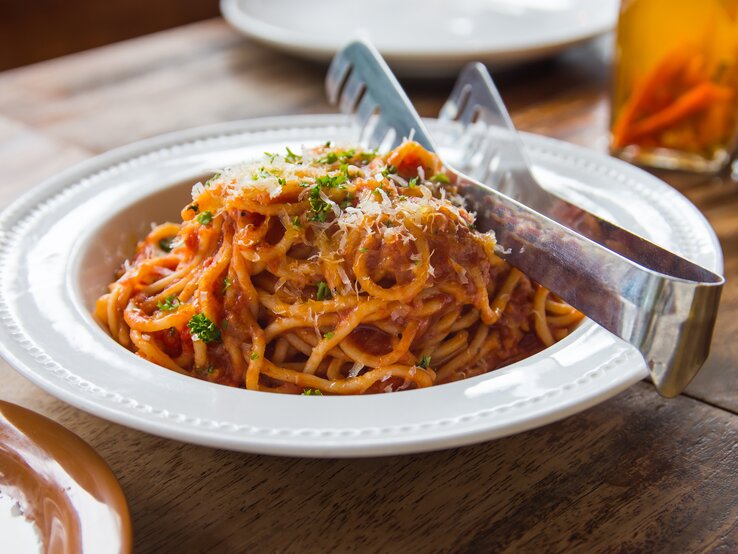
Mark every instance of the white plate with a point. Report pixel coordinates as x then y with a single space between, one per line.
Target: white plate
425 37
62 240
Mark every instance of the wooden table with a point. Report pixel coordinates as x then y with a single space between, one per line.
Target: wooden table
636 473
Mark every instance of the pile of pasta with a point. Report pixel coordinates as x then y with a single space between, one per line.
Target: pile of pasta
335 270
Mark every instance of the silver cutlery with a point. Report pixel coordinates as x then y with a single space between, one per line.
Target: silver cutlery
661 303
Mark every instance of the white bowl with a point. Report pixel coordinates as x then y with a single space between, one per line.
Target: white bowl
62 241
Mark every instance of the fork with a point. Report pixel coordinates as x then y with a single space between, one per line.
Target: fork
666 309
494 155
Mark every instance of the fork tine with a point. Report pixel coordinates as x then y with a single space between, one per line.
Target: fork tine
484 100
456 101
358 71
367 107
378 133
471 111
334 79
351 93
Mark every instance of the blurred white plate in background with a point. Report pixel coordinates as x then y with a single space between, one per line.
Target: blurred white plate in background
425 37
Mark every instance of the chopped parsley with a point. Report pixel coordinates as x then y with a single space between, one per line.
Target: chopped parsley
254 356
424 361
440 178
346 202
369 155
319 208
323 293
169 304
281 181
331 181
227 284
472 227
329 158
166 244
205 218
413 182
296 221
333 157
203 329
328 144
291 157
194 207
389 170
328 335
363 249
271 156
312 392
213 178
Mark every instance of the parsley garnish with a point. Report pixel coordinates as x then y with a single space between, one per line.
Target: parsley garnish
329 158
424 361
346 202
369 155
271 156
194 207
319 207
328 335
254 356
328 144
296 221
323 293
291 157
331 181
205 218
363 249
333 157
281 181
472 227
203 329
226 284
166 244
413 182
389 170
169 304
312 392
213 178
440 178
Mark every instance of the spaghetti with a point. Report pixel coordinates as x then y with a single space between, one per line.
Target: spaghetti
336 271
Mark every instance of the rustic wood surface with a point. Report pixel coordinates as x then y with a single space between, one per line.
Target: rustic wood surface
634 474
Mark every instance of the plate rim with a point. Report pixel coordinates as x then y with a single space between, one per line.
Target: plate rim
405 442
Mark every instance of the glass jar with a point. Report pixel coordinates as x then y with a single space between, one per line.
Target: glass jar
675 99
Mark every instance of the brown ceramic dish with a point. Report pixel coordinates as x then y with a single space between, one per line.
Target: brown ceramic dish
62 484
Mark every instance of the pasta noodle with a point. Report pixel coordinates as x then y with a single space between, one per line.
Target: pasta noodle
336 271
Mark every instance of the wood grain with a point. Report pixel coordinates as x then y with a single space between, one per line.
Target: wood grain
635 474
